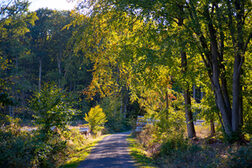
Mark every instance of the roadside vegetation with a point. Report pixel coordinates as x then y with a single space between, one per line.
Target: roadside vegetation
80 150
177 151
53 143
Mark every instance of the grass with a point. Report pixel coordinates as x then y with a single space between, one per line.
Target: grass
82 153
139 154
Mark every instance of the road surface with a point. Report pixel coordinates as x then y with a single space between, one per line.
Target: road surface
111 152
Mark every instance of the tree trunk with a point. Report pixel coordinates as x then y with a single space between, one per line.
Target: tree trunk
124 93
59 69
167 104
188 113
187 96
194 92
212 130
220 88
40 72
236 96
239 59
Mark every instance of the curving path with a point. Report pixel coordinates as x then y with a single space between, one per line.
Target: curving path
111 152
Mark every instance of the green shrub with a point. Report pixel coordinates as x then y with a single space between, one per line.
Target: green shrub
15 146
174 143
96 119
44 147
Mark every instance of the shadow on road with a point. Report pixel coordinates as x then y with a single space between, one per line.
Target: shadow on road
111 152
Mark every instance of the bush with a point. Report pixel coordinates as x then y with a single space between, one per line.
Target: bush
52 113
96 119
15 146
174 143
49 145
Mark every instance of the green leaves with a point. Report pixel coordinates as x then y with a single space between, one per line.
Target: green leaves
50 108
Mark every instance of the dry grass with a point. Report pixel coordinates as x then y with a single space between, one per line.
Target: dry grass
202 131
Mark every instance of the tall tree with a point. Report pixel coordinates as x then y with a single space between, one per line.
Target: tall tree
225 21
14 24
39 35
222 33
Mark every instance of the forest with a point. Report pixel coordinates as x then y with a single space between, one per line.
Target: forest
178 70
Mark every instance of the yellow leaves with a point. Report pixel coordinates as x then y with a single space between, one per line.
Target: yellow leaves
3 63
96 119
79 19
32 17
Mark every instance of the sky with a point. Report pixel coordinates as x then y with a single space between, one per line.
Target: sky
51 4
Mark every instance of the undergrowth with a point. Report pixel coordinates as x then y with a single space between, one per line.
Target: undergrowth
139 154
174 151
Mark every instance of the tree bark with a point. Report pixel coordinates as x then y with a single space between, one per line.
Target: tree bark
239 59
236 96
40 73
212 130
189 118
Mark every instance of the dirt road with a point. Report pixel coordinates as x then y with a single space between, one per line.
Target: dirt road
111 152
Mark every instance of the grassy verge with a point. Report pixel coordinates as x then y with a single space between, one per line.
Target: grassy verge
139 154
82 152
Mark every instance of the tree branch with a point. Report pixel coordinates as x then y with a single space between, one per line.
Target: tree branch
247 42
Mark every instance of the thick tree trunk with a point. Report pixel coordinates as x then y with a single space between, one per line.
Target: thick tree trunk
236 96
40 73
239 59
213 59
220 88
189 118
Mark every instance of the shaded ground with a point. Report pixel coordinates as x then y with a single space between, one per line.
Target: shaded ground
111 152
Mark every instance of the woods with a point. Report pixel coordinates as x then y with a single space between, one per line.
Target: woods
106 62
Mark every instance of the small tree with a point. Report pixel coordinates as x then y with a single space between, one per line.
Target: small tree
52 112
96 119
51 109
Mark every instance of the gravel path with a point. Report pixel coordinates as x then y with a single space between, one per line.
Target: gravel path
111 152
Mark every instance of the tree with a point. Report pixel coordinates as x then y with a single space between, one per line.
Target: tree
226 22
51 110
96 119
155 19
221 32
40 33
14 24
